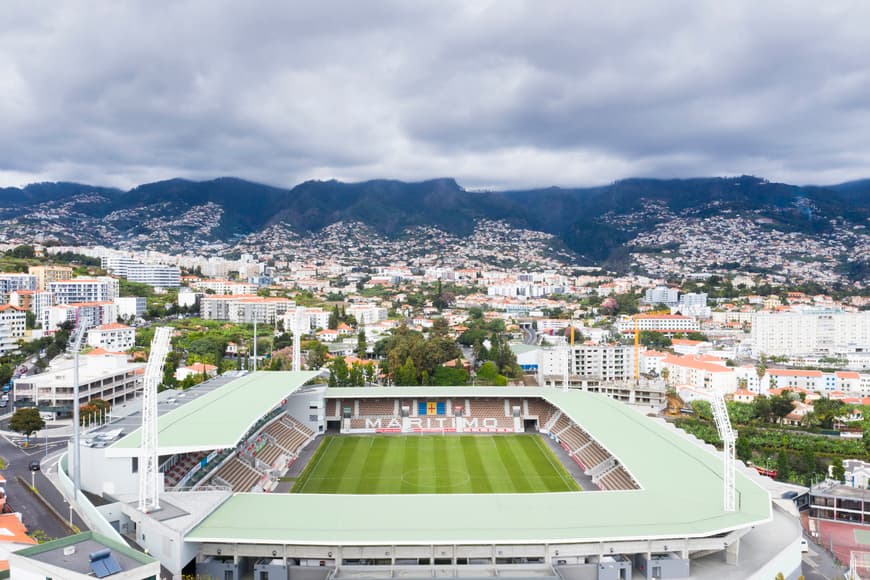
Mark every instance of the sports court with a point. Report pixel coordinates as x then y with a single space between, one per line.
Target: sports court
396 464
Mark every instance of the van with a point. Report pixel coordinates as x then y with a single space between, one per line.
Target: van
46 416
805 546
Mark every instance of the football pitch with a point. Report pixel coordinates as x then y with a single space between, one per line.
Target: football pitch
391 464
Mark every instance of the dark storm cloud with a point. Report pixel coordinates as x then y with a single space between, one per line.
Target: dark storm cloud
504 94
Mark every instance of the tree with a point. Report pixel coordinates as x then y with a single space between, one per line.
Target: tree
339 375
449 376
838 471
653 339
781 405
26 421
703 410
361 344
406 374
22 252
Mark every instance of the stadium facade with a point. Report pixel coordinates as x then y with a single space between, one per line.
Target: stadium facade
653 508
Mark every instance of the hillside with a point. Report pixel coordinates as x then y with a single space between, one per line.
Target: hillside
599 224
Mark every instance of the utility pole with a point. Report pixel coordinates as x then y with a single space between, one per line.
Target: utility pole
255 339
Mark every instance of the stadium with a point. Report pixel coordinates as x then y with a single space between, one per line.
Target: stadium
266 476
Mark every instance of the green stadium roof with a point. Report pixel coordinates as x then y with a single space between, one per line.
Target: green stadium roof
681 494
219 419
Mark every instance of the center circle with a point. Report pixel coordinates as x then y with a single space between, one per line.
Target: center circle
429 474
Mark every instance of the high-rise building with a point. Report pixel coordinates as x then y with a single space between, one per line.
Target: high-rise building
662 295
78 290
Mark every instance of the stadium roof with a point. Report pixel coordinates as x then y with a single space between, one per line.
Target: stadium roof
219 419
681 493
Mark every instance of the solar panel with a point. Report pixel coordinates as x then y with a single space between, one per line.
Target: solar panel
103 564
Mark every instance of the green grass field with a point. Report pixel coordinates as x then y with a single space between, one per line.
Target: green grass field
384 464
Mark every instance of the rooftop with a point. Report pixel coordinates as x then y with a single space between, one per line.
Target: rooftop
55 553
218 419
515 518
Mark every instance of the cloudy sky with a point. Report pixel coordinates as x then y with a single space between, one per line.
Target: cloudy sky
497 94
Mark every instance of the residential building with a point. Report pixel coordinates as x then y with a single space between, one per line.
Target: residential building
223 287
45 275
35 301
130 306
13 322
102 375
664 323
78 290
314 318
809 380
686 346
702 372
693 304
89 314
662 295
603 362
366 313
244 308
155 275
12 281
113 337
808 331
200 369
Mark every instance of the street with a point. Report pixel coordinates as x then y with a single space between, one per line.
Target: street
818 564
34 514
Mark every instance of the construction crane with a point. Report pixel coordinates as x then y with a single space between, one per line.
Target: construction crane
148 467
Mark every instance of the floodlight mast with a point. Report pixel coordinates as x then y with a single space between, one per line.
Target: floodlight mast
728 436
149 472
79 333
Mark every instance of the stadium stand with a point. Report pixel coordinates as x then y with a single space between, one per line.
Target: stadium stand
181 467
592 454
240 476
287 436
376 407
543 411
616 478
562 423
491 408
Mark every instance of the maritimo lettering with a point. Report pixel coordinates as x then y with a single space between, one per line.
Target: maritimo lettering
457 423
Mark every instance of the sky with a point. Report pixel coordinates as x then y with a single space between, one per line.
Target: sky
499 95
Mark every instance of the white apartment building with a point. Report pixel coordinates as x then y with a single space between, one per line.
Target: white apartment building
666 323
600 362
103 376
130 306
12 281
366 313
222 287
79 290
113 337
313 319
693 304
809 380
90 314
662 295
13 322
156 275
700 372
651 361
244 309
810 331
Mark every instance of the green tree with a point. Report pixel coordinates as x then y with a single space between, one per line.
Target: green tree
316 356
781 405
449 376
338 369
361 344
26 421
703 410
406 374
23 252
838 470
743 449
654 340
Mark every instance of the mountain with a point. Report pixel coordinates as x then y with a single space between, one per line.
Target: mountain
598 223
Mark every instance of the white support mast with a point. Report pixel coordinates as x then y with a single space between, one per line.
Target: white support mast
566 359
728 436
77 451
298 317
149 473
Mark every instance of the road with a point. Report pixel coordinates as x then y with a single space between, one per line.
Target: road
818 564
34 514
